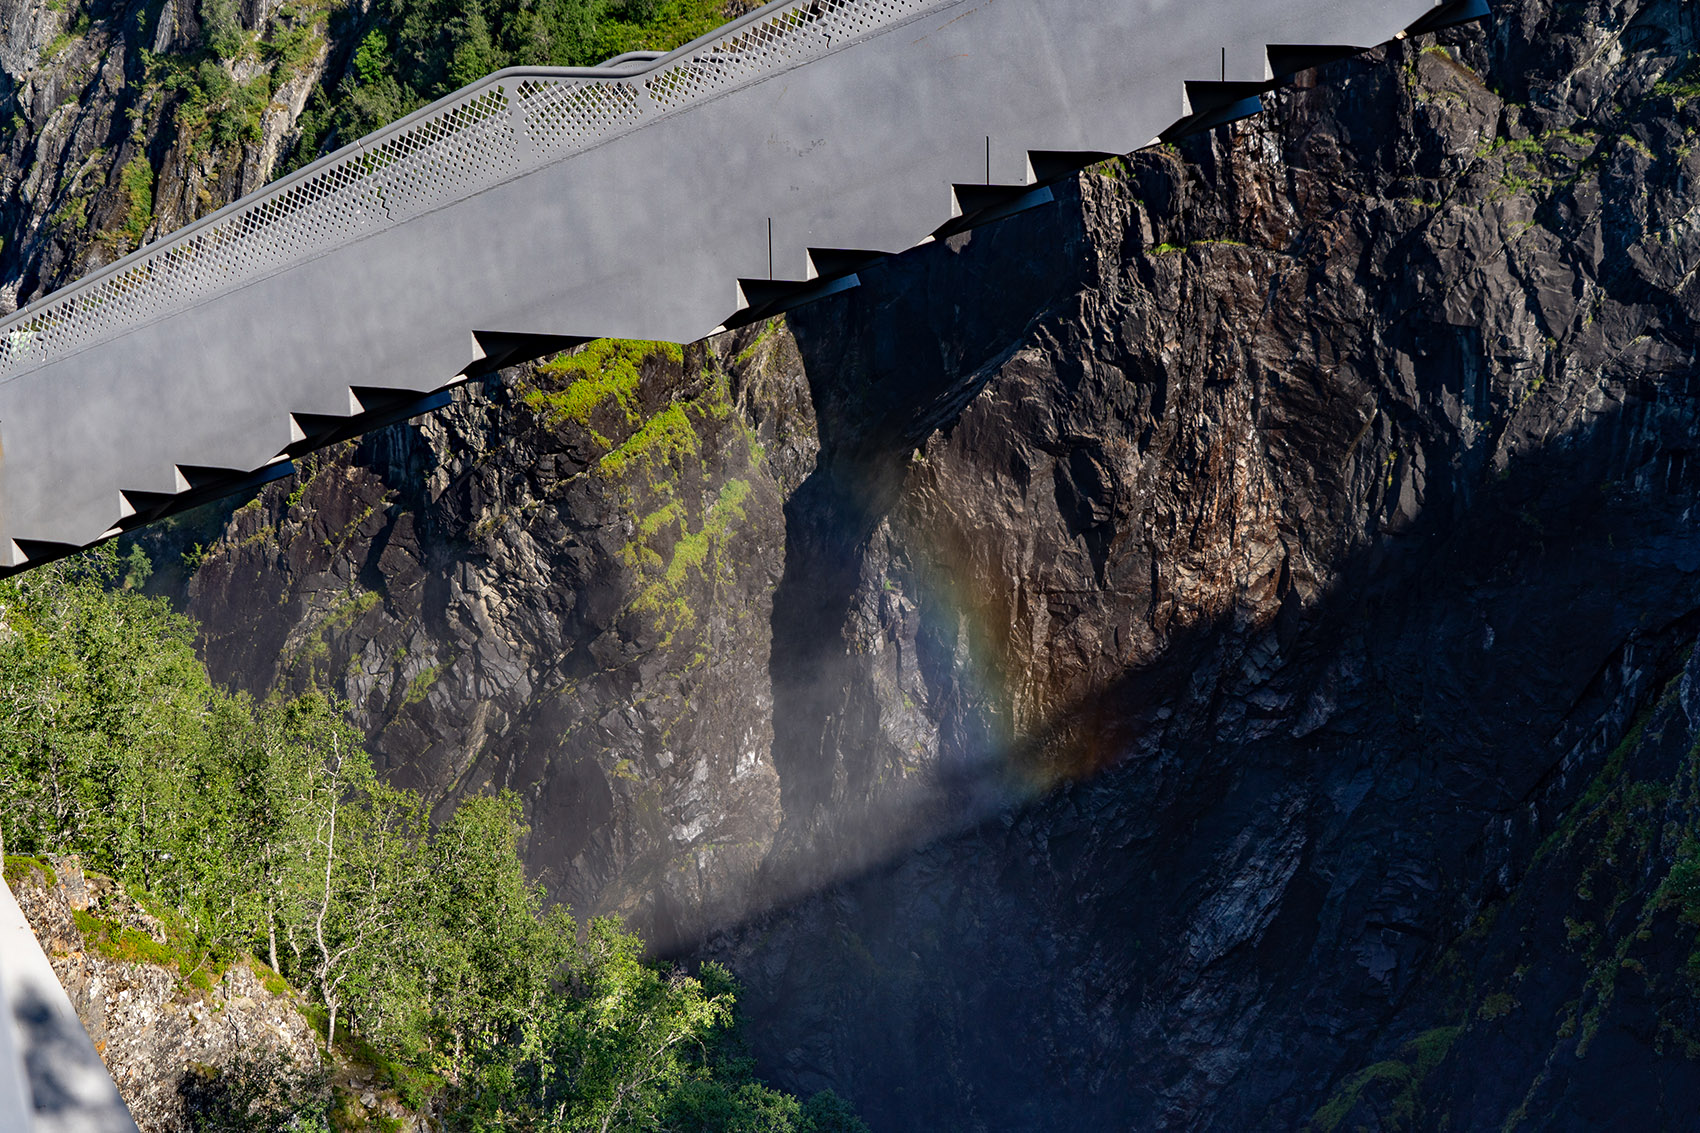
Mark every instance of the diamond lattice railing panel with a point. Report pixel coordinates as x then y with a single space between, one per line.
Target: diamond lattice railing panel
493 131
791 36
302 219
447 157
564 117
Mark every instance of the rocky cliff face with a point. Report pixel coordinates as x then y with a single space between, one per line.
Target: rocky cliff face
155 1025
1210 654
562 586
120 121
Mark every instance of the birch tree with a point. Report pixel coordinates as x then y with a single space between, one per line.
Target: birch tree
350 888
486 950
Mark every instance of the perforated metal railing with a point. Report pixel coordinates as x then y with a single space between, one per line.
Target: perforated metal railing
509 123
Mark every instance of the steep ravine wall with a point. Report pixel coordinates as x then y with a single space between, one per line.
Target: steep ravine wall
572 603
118 124
1168 660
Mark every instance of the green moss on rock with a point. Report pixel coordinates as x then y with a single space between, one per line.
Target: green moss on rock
19 868
604 371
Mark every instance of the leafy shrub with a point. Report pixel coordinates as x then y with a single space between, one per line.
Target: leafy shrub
265 1094
136 183
19 867
427 952
416 51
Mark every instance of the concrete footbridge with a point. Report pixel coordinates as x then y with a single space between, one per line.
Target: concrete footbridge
657 197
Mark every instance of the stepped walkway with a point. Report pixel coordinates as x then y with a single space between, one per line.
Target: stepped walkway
657 197
653 197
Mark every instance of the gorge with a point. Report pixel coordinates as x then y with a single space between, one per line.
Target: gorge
1215 652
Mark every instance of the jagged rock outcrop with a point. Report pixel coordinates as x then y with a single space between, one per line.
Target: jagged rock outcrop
560 587
118 122
1153 634
151 1022
1322 529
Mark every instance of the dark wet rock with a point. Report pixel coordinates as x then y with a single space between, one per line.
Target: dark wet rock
512 599
1159 668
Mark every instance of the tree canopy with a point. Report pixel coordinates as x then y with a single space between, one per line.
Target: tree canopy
410 52
261 828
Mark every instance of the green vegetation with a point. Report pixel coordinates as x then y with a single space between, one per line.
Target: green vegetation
73 214
1629 850
769 328
65 38
412 52
692 549
350 609
1498 1005
116 941
422 682
1631 827
604 376
1681 88
1398 1081
270 980
221 28
214 109
664 439
19 868
656 460
1167 248
656 469
663 582
1550 162
260 1095
296 39
136 183
303 478
423 950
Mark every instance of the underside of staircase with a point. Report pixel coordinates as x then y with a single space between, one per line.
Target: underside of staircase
657 198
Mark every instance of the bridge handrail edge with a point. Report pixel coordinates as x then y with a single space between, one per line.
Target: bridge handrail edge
493 82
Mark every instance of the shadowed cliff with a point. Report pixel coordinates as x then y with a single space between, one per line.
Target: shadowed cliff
1168 660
